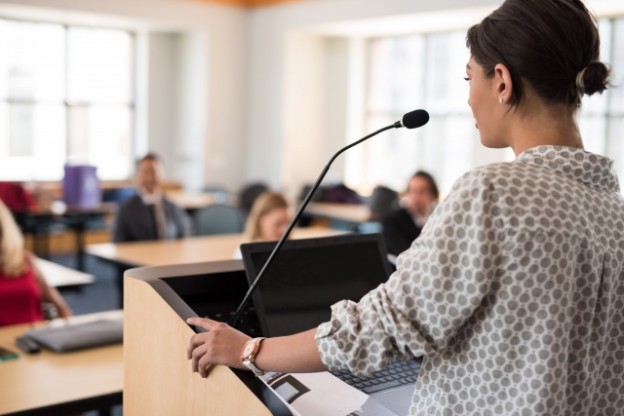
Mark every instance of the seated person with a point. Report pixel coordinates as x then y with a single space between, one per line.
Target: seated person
19 201
16 197
268 219
22 286
401 227
149 215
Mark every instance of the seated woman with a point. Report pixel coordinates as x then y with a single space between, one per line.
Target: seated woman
268 219
22 286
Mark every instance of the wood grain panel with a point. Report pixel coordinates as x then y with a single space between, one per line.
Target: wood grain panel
158 378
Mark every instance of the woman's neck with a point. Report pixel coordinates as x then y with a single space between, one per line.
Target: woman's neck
543 125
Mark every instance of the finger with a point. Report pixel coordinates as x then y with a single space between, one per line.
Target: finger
204 366
198 354
208 369
205 323
195 341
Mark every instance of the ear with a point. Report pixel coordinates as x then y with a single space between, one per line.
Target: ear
503 84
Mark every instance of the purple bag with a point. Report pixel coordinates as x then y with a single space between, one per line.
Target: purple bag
81 187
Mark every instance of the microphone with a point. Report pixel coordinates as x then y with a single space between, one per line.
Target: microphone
411 120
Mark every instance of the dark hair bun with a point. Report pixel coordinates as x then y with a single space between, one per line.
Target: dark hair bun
595 78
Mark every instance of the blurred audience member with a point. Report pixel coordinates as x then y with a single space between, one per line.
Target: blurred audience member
16 197
22 286
268 219
403 226
149 215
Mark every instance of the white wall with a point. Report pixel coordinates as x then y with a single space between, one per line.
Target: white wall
159 95
190 101
303 94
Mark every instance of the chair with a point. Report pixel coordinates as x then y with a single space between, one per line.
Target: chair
118 194
220 193
382 202
248 195
218 219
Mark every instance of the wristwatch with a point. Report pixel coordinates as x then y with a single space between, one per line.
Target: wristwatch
250 351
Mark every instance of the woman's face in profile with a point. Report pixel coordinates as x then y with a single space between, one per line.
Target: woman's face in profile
274 223
483 100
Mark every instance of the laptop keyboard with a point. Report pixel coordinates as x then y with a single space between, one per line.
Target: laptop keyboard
396 374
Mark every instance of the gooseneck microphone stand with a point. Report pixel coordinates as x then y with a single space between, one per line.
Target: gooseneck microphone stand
413 119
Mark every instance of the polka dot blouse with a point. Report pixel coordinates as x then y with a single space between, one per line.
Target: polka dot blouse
513 293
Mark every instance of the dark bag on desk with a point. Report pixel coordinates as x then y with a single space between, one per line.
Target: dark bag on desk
74 337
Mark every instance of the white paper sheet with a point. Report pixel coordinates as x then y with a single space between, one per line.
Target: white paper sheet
321 394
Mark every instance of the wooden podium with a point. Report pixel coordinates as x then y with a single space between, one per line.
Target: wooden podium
157 376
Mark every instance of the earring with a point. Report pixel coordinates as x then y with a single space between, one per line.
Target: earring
500 100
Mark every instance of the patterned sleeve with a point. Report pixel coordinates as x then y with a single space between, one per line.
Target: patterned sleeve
439 283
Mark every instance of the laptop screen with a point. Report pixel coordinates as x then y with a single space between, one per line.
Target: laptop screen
309 275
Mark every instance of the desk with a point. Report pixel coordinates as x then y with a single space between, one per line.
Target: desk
60 384
193 201
38 223
187 250
60 276
349 213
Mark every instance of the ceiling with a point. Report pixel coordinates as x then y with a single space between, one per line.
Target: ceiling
248 3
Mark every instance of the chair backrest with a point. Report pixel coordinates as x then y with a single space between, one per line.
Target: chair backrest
248 195
220 193
118 194
218 219
383 202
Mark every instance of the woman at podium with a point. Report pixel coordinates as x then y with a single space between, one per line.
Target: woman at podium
513 291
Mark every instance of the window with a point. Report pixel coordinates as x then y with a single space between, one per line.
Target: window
426 71
65 97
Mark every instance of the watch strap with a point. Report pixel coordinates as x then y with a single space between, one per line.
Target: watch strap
249 360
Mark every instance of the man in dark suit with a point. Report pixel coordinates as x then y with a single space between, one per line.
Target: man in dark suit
401 227
149 215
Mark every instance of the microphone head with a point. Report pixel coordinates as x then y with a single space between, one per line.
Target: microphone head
415 119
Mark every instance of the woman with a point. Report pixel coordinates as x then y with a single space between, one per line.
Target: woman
513 291
22 287
268 218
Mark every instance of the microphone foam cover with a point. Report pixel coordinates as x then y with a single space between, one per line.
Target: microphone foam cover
414 119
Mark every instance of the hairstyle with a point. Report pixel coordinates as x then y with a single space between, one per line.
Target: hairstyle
553 45
264 204
12 256
433 187
149 157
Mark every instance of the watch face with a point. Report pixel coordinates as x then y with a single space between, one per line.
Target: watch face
249 348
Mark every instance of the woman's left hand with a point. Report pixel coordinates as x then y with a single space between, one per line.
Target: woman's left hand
220 344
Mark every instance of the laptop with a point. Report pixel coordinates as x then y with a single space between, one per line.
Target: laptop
307 277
